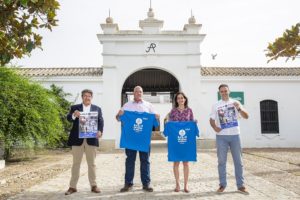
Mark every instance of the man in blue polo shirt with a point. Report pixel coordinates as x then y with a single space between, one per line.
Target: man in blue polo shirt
137 105
181 140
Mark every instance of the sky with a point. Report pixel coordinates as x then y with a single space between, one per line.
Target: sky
238 31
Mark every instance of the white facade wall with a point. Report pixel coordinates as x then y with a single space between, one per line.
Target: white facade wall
284 90
256 89
74 85
178 53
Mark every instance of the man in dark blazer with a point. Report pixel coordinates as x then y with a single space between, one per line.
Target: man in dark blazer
81 145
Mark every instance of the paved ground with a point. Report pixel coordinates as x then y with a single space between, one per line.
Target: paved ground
269 174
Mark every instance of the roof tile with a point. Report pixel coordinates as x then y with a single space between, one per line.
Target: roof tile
250 71
83 71
205 71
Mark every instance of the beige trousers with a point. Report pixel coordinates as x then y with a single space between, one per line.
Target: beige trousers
90 154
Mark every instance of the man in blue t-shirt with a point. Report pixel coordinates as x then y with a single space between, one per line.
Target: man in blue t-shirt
181 140
137 105
136 130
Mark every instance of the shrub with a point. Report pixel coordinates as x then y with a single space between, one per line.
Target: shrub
29 113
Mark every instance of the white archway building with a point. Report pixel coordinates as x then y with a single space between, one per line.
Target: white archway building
178 53
126 52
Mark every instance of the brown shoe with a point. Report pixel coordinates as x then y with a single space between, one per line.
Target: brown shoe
221 189
126 188
70 191
95 189
147 188
243 190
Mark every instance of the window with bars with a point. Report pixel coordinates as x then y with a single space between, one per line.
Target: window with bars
269 117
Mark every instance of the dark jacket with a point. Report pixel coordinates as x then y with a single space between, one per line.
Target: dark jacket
74 139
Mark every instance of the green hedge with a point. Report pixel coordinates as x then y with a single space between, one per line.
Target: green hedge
29 113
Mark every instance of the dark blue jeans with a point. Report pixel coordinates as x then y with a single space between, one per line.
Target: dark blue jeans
130 165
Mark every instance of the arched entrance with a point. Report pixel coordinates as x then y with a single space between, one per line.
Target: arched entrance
159 88
153 81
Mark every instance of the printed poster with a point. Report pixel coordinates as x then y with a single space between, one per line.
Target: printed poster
227 116
88 124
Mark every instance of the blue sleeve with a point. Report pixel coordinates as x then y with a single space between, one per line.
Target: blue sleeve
197 132
166 129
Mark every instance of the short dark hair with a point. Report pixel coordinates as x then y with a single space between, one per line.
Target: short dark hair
223 85
186 103
86 91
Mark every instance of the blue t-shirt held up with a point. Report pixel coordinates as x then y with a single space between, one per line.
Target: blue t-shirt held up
181 140
137 130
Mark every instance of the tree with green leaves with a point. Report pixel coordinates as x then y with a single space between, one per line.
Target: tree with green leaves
29 113
287 46
64 105
19 23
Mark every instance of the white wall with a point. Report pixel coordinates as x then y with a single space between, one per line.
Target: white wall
285 92
74 85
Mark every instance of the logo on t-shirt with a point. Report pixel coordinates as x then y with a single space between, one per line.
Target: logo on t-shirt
138 126
182 138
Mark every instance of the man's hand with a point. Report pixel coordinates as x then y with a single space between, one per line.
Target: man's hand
157 116
121 112
243 112
237 105
76 113
99 134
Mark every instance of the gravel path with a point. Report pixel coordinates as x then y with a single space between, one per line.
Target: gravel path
18 176
268 174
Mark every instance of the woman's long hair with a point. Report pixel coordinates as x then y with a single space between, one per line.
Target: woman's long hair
186 103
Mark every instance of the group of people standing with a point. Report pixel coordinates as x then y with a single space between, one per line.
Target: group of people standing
223 119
